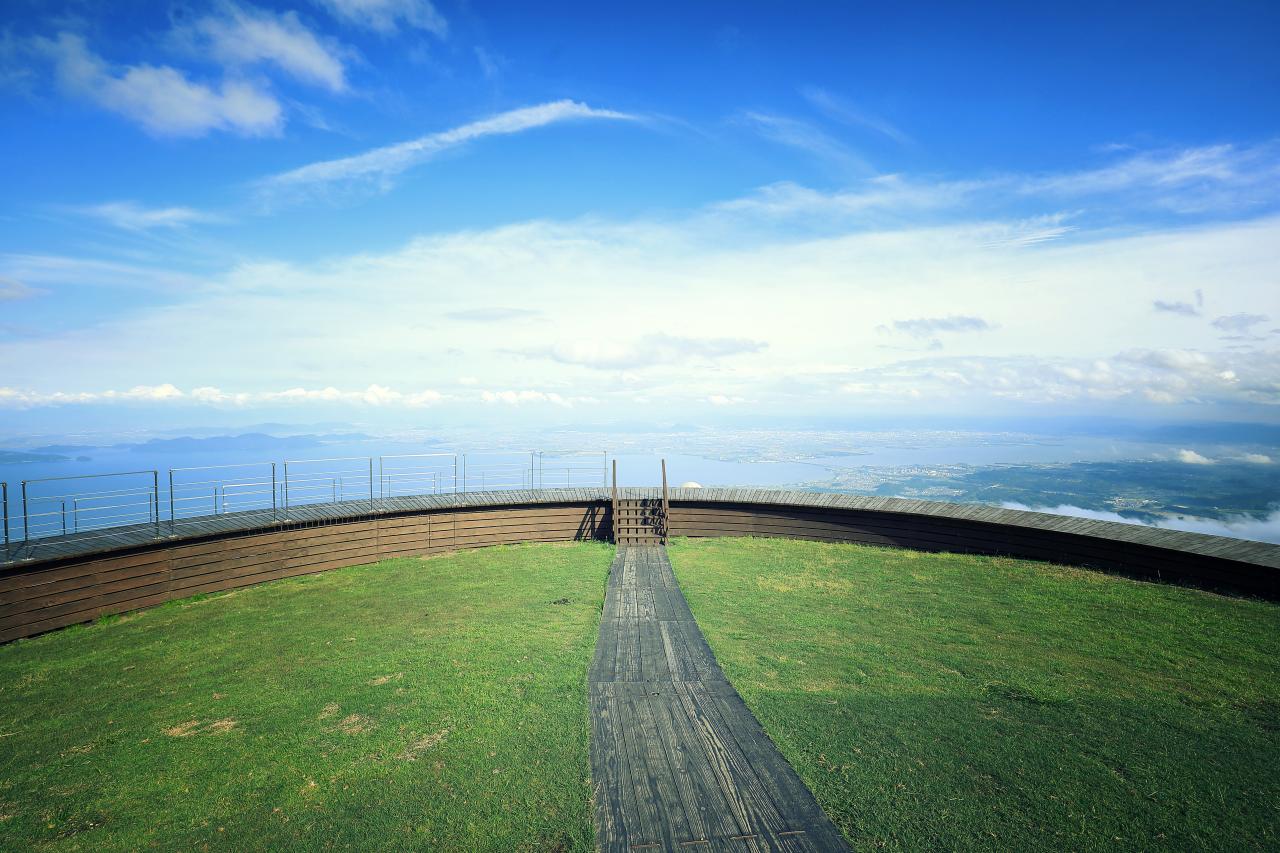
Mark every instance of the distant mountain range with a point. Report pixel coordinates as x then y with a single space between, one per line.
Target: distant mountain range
255 441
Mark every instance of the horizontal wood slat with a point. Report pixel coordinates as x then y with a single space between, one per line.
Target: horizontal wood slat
42 595
48 597
974 537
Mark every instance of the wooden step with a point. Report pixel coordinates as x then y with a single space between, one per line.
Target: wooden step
639 521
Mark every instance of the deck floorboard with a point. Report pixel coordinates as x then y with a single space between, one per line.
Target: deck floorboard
678 761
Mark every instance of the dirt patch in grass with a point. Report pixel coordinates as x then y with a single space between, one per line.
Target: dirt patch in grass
422 744
354 724
195 727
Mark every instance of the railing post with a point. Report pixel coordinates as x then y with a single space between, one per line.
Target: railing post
464 473
273 491
155 498
371 484
64 518
533 467
286 491
4 501
455 473
26 515
613 521
666 504
172 513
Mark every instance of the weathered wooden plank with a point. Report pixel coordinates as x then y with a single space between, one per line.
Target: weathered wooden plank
56 571
98 603
607 753
688 774
41 576
1054 547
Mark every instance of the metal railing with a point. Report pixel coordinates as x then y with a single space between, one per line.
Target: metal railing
203 491
418 474
89 506
567 469
320 481
489 471
53 506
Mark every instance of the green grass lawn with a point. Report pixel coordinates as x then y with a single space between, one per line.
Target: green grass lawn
938 701
436 704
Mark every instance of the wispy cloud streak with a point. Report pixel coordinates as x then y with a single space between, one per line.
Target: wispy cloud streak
381 164
844 112
131 216
805 137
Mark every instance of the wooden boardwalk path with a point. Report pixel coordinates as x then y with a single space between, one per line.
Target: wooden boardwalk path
678 762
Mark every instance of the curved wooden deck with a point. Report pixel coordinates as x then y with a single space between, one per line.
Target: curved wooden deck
678 762
51 582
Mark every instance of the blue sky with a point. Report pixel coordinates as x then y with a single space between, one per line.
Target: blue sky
402 210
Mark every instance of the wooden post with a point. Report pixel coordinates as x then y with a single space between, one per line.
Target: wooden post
666 504
613 520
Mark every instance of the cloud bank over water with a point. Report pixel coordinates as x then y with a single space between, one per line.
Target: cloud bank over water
1235 527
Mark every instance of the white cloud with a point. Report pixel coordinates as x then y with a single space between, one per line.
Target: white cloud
1256 459
805 137
724 400
385 16
58 269
1239 323
1076 329
926 327
1162 377
1190 457
842 110
647 351
1237 526
11 289
878 195
160 98
1226 178
131 216
1185 180
381 164
496 314
373 395
518 398
17 399
243 36
489 64
1186 309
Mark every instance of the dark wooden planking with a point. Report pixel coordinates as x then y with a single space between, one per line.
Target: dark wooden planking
220 551
670 766
594 504
44 596
980 538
